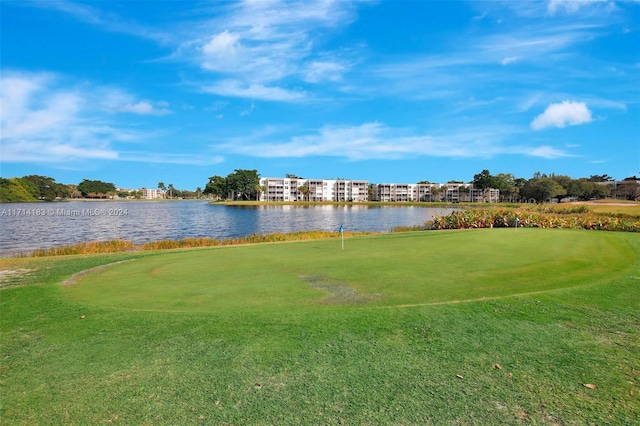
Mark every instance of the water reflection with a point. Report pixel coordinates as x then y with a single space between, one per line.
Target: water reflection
27 226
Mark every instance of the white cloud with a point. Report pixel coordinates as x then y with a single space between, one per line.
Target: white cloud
114 100
238 89
45 118
547 152
224 53
144 108
571 6
171 158
46 151
567 113
318 71
248 111
377 141
509 60
109 21
224 43
260 44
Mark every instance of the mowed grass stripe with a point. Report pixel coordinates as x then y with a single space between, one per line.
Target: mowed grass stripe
388 270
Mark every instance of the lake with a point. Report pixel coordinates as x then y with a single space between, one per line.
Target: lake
29 226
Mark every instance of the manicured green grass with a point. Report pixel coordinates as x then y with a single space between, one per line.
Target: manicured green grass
497 326
390 270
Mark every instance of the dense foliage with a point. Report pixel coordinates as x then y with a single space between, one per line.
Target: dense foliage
96 188
32 188
542 187
239 185
580 218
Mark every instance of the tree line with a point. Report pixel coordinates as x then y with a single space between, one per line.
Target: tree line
542 187
43 188
245 185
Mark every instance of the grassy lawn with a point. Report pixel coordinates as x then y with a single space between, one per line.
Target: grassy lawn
498 326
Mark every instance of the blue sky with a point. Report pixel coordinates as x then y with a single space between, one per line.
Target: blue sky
139 92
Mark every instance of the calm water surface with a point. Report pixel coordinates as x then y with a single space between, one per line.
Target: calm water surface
28 226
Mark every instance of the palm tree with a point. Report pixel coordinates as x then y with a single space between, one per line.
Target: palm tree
261 189
464 191
435 191
161 186
170 189
305 191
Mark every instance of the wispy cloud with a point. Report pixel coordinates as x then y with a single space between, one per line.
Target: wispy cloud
376 141
482 64
548 152
572 6
259 48
238 89
145 108
567 113
171 158
509 60
45 118
534 42
108 21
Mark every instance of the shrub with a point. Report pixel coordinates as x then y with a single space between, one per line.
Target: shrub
467 219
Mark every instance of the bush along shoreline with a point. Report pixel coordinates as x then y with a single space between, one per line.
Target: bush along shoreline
469 219
118 246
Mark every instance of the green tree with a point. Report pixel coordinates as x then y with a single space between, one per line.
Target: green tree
96 188
30 187
243 184
584 189
464 193
628 189
600 178
216 187
46 188
305 191
435 193
506 184
484 180
12 191
262 189
542 188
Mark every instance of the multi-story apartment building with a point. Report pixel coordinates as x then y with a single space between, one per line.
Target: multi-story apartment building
297 189
444 192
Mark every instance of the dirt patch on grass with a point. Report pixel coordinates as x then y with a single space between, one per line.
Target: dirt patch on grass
76 277
338 293
12 277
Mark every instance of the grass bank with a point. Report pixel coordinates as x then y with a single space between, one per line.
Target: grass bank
494 326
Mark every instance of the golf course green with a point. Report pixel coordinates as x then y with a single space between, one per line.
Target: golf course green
491 326
389 270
